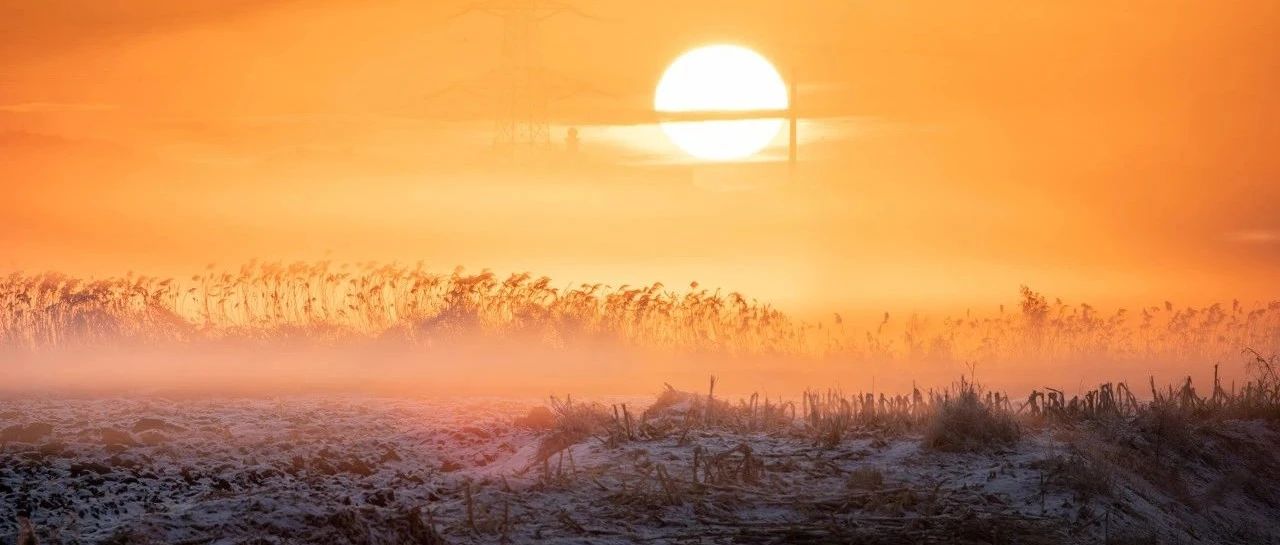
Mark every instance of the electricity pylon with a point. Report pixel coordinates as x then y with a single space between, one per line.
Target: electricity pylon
521 85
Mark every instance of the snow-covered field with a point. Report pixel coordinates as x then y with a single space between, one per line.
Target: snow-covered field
365 470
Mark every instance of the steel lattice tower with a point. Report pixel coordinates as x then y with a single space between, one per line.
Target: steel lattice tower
523 86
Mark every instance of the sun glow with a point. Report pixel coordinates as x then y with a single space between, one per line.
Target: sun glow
716 79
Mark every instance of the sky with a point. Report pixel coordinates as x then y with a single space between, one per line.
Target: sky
949 152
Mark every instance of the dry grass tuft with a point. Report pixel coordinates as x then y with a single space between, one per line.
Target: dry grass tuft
572 424
1086 475
966 423
865 478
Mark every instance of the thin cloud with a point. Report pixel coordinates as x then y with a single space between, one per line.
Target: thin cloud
1256 236
56 107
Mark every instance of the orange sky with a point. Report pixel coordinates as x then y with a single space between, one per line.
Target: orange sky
1091 151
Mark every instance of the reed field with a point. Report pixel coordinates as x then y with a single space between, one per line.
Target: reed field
336 303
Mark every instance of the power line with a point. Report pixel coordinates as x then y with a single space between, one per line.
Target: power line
522 86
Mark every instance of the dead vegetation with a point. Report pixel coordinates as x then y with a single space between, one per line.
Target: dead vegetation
327 303
1118 438
710 480
968 422
1081 472
963 417
836 467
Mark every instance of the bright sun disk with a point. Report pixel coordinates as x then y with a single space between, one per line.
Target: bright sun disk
720 78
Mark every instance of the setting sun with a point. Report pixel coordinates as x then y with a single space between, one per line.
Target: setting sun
721 78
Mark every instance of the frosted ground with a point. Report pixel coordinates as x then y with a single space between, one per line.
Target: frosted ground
366 470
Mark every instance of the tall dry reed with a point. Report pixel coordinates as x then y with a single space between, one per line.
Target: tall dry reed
325 302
